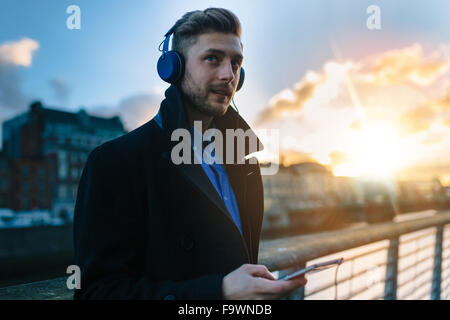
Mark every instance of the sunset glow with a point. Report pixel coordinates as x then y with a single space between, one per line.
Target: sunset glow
377 153
377 116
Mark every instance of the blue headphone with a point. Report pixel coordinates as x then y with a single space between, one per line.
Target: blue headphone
171 64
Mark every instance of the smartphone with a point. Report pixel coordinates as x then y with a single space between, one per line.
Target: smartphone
313 268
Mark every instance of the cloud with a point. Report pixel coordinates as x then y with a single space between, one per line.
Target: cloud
11 95
447 122
388 80
356 125
14 54
442 104
317 88
406 90
338 157
408 65
19 53
434 138
290 100
421 118
60 89
416 120
133 110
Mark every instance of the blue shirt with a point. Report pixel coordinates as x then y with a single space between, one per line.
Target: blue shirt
219 179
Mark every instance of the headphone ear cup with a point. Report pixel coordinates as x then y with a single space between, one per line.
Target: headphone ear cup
170 66
241 79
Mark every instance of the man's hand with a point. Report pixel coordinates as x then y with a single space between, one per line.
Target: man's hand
255 282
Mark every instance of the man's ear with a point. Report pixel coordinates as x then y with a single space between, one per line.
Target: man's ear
183 68
241 79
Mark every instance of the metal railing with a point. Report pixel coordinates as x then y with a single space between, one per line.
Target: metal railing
383 249
376 264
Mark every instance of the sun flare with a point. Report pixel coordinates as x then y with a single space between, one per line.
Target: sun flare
376 152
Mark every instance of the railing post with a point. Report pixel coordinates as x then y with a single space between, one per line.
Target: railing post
437 266
390 285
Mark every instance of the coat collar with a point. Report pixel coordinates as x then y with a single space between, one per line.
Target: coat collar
172 115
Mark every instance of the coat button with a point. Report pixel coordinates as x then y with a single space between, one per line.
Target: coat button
169 297
187 243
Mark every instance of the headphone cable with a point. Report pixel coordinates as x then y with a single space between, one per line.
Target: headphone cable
232 99
237 116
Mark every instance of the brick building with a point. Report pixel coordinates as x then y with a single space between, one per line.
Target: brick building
45 151
5 180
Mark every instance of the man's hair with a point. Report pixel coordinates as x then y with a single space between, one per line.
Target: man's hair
195 23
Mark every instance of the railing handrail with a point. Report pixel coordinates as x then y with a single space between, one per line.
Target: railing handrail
285 253
275 254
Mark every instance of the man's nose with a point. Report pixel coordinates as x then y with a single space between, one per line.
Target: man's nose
226 72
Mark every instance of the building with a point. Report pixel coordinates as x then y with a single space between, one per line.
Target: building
46 150
301 186
31 189
349 191
5 181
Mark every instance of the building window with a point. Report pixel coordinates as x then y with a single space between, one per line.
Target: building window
62 170
41 173
3 202
62 156
25 171
62 164
41 187
3 184
3 164
25 187
25 203
62 191
42 203
74 173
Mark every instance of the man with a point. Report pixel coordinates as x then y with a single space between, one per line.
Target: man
146 228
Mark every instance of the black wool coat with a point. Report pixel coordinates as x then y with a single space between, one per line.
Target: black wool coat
145 228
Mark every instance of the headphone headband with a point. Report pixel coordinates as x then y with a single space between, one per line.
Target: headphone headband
167 39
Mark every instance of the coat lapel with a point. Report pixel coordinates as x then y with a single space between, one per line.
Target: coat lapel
195 174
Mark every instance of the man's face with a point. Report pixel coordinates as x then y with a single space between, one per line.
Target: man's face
212 72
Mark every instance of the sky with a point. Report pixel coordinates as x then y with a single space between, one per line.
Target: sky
359 100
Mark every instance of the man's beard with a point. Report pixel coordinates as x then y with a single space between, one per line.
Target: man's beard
198 99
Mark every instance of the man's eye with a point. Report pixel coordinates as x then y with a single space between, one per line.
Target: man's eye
211 58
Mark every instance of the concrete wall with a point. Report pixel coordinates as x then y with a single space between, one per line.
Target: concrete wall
33 254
